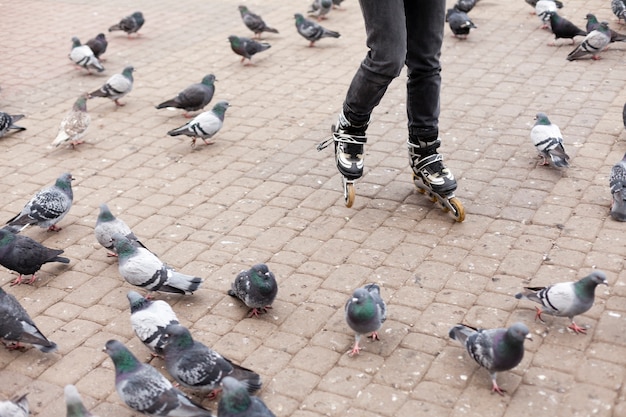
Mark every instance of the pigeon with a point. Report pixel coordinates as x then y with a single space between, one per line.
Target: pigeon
235 401
195 97
619 10
98 44
74 403
548 140
624 115
320 8
7 122
146 390
130 24
459 22
15 407
196 366
496 350
465 5
246 47
543 8
74 124
533 3
563 28
83 56
312 31
47 207
16 325
593 44
592 24
254 22
203 126
117 86
107 225
617 182
149 318
142 268
25 256
566 299
256 287
365 312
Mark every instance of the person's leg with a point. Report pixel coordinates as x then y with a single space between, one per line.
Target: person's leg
425 27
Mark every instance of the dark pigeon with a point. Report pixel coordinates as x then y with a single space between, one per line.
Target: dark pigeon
195 97
98 44
25 256
7 122
566 299
47 207
236 401
203 126
196 366
496 350
365 312
107 225
256 287
149 319
465 5
17 327
459 22
563 28
130 24
254 22
146 390
246 47
312 31
617 182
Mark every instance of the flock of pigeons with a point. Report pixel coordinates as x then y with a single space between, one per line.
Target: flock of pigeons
189 362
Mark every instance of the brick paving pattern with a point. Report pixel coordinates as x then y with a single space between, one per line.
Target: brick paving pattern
262 193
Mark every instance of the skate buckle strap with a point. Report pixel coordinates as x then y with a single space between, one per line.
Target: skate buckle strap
428 160
343 138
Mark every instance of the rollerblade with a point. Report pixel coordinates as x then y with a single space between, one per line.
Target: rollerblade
349 142
432 178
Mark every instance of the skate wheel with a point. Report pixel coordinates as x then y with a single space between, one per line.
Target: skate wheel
459 210
349 194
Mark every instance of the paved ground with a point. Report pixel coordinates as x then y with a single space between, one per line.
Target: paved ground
263 194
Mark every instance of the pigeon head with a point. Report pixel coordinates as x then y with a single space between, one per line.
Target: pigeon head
262 278
243 10
100 37
591 18
542 119
591 281
122 358
362 304
138 16
235 42
209 79
123 246
6 237
80 104
105 214
64 182
235 397
137 301
75 406
75 42
517 333
299 18
220 108
128 72
177 336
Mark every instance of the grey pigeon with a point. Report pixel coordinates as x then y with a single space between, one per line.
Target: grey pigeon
235 401
17 327
149 318
619 10
312 31
594 43
25 256
142 268
563 28
496 350
74 403
98 45
566 299
146 390
83 56
15 407
203 126
198 367
459 22
7 122
617 182
256 287
48 207
548 141
195 97
130 24
74 125
592 24
365 312
116 87
320 8
254 22
465 5
246 47
107 225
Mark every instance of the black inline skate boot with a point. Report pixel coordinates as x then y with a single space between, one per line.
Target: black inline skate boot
431 177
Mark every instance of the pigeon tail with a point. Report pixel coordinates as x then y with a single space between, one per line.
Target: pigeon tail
181 282
249 378
51 347
559 159
461 332
183 130
168 103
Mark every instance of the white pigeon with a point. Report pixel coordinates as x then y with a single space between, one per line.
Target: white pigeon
149 318
548 140
74 124
594 43
116 87
543 9
83 56
15 407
